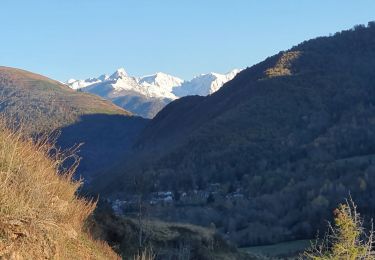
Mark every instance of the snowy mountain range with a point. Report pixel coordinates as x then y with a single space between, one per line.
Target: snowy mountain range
146 96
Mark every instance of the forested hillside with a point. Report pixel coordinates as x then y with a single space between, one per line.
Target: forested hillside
282 143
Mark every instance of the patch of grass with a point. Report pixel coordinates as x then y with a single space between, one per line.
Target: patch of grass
167 240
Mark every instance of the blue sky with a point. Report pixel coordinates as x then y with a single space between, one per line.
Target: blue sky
83 38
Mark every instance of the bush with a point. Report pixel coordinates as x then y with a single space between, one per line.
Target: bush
346 240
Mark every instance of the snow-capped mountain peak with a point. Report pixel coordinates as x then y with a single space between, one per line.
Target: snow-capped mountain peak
78 84
204 84
120 73
70 81
161 80
157 89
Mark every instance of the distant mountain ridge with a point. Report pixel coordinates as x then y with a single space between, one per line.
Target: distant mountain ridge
147 95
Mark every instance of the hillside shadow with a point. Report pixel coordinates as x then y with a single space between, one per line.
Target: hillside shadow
105 140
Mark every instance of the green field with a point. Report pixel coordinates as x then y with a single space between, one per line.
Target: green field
281 249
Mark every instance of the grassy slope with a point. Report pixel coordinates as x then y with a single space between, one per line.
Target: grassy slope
291 248
167 240
44 102
40 215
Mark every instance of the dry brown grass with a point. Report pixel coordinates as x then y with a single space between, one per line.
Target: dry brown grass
283 64
41 216
145 255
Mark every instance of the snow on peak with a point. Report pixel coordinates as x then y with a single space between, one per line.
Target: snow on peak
205 84
120 73
78 84
71 81
231 74
162 80
158 85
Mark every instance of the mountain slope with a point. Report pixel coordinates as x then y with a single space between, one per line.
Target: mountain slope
45 102
284 141
146 96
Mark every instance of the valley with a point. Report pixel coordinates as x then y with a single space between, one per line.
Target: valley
283 143
245 165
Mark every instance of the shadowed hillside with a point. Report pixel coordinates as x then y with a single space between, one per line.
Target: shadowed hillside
143 106
275 149
104 139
